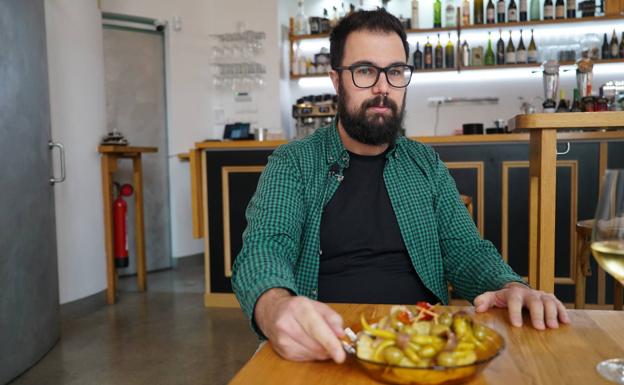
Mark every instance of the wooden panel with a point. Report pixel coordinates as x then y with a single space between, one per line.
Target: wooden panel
568 120
196 192
478 200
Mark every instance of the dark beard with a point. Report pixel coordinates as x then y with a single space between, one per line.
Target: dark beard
375 130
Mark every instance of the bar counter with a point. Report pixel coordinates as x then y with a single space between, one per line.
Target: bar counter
492 169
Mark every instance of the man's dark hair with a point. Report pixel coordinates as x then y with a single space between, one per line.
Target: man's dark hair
378 20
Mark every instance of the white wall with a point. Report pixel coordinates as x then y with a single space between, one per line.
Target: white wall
75 63
192 98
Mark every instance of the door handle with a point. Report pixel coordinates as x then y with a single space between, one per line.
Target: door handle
58 145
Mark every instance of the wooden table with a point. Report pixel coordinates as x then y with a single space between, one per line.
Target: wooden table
543 182
567 355
110 155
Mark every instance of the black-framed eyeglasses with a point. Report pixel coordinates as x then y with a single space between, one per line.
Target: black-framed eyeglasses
367 75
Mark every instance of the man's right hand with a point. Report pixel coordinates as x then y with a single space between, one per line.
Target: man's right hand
299 329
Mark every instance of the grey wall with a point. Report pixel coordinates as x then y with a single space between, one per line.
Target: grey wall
135 103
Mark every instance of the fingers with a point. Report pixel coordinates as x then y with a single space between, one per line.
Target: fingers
333 319
514 306
536 309
319 330
550 311
484 302
563 313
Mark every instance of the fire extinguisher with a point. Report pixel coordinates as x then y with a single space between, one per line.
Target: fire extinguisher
120 209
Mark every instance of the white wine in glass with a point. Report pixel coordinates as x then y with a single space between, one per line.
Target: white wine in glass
608 248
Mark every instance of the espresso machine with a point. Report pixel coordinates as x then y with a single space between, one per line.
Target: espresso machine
312 112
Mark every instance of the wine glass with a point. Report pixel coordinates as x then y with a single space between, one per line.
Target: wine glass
608 248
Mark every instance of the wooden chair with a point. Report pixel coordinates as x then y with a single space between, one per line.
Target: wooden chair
468 203
583 269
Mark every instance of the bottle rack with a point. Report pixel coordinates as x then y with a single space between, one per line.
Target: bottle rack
294 39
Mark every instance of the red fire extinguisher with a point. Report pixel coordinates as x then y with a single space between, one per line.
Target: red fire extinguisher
120 209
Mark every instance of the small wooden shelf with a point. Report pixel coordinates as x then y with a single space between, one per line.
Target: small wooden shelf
295 38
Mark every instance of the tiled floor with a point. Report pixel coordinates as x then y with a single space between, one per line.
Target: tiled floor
164 336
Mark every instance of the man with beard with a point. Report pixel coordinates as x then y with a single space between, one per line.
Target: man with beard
355 213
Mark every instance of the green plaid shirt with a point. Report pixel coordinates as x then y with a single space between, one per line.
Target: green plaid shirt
281 244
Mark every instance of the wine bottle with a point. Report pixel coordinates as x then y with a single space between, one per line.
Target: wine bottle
548 9
535 10
614 46
449 55
500 49
489 53
500 11
450 13
465 54
428 54
521 53
465 13
418 57
437 14
576 103
571 9
622 46
414 21
532 51
478 12
605 48
439 54
510 54
491 13
563 103
512 12
560 9
523 10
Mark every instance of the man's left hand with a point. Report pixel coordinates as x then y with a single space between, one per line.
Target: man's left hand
545 309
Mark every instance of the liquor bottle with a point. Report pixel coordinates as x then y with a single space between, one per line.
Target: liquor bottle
548 9
622 46
521 52
523 10
571 12
418 57
414 21
500 11
489 53
428 54
512 12
465 54
437 14
500 49
302 25
334 19
510 54
614 46
439 54
605 48
560 9
532 51
491 13
465 13
478 12
450 13
535 10
449 55
563 103
576 103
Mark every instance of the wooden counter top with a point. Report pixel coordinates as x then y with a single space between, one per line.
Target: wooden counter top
594 120
444 140
112 149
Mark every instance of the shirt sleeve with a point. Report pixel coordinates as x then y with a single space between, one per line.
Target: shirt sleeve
271 240
471 264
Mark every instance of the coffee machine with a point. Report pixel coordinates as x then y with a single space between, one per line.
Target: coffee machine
312 112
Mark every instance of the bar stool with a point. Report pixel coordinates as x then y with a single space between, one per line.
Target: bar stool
583 269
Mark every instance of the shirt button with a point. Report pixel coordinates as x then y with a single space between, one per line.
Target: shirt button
320 252
314 292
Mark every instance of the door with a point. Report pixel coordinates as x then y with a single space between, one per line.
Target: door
29 305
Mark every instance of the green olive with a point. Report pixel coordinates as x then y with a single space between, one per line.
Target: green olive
438 343
393 355
427 351
421 340
445 319
439 329
422 328
465 357
463 346
446 359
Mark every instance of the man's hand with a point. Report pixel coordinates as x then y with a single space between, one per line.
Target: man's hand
299 329
514 296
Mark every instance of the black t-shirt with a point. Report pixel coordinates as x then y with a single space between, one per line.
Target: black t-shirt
363 257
